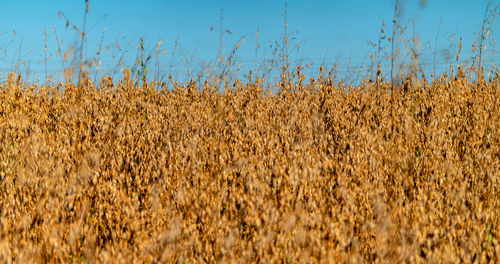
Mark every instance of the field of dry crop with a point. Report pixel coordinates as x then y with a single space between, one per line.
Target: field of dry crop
315 173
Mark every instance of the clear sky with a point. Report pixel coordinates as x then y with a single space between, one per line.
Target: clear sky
326 31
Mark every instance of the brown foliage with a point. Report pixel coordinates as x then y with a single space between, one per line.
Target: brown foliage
316 173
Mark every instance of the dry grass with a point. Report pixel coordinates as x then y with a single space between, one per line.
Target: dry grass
316 173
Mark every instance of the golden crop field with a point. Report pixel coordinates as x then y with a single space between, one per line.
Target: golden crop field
321 173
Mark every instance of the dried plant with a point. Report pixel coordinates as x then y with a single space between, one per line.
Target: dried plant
127 173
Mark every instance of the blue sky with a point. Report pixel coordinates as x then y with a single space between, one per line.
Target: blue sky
326 31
